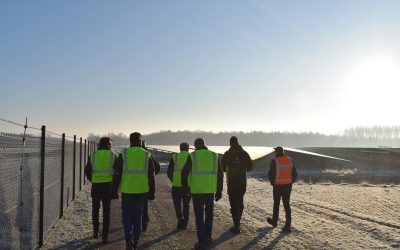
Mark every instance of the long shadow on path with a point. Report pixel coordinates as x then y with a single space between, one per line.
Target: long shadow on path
275 241
262 233
159 239
222 238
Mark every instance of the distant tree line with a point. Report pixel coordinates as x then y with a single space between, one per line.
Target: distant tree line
352 137
377 132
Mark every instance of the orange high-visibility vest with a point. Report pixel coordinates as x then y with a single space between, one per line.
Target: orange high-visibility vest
284 167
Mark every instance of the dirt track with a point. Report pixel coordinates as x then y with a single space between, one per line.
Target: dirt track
161 233
325 216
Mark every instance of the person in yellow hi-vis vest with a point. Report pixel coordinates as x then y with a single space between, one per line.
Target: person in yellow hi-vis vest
99 170
181 200
204 169
135 178
282 174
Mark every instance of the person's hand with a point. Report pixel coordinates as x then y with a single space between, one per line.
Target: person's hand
218 196
151 197
114 197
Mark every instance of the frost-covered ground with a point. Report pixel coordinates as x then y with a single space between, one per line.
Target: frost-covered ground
74 230
325 216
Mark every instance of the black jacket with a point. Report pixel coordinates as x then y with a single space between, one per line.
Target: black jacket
236 162
89 167
188 167
170 169
118 175
272 173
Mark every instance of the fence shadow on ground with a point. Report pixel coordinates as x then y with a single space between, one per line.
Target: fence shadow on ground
86 243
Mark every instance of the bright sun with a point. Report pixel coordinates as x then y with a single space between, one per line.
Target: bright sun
372 90
376 72
377 77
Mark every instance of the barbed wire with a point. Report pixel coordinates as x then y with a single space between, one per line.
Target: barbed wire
15 123
34 128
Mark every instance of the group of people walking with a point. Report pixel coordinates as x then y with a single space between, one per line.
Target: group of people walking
196 176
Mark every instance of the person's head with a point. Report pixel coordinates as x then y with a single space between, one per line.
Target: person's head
279 151
105 143
184 146
234 141
143 144
199 143
136 139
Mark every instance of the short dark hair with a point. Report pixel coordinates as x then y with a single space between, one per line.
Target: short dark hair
199 142
234 141
184 146
279 150
104 142
135 138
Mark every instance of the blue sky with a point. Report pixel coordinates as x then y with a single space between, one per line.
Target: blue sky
123 66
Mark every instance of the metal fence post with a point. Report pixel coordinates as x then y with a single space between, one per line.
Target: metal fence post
62 176
84 163
80 164
73 169
41 192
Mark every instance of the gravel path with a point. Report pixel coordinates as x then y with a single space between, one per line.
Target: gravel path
324 217
74 230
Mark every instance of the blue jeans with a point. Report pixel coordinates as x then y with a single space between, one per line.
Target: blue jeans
203 204
181 203
132 209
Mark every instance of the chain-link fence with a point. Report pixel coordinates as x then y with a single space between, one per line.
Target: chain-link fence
40 174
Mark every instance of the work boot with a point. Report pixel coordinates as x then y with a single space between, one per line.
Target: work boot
199 246
286 230
95 235
271 222
209 241
179 224
135 244
184 225
234 230
129 245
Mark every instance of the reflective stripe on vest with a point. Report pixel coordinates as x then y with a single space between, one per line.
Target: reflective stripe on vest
179 162
102 165
135 171
284 166
203 178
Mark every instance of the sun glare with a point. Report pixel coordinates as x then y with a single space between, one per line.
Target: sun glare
375 77
371 91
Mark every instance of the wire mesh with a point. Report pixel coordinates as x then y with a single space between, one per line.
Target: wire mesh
20 172
69 147
52 181
19 189
77 167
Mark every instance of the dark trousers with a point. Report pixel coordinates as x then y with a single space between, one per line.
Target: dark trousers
101 193
132 209
181 200
284 192
145 216
203 204
236 203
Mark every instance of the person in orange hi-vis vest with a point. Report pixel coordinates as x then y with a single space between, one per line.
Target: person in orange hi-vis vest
282 174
